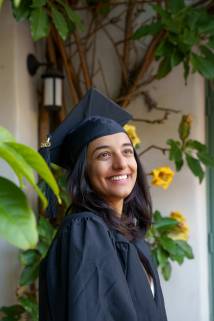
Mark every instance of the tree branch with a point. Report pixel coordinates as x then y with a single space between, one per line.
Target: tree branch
83 60
163 150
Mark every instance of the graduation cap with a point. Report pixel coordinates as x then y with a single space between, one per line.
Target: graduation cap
94 116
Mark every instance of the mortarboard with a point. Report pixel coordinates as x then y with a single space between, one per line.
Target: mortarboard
94 116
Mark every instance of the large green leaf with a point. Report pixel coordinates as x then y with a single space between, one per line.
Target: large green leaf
16 2
195 167
17 220
39 23
20 166
37 162
146 30
59 22
5 135
203 65
1 3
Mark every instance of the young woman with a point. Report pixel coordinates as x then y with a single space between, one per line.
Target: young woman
99 267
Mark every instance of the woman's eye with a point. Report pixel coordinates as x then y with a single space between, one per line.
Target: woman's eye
128 151
104 155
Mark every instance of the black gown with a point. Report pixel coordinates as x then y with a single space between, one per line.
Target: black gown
93 273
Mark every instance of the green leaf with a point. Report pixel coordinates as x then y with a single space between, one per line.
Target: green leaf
146 30
164 67
20 166
16 2
178 258
29 257
39 23
164 49
31 306
12 313
1 3
203 66
194 144
175 153
165 224
175 5
29 274
189 37
207 26
186 248
74 17
211 42
195 167
162 257
206 158
176 57
17 220
22 12
37 162
168 244
157 216
46 230
38 3
166 271
5 135
59 22
43 247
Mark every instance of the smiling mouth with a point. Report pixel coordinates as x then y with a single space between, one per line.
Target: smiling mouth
119 177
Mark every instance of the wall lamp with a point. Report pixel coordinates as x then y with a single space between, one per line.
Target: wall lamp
52 82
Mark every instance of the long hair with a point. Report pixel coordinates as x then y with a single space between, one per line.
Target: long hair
137 208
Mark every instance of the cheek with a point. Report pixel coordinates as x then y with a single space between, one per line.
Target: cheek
96 173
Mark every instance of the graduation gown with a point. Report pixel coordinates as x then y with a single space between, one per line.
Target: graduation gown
93 273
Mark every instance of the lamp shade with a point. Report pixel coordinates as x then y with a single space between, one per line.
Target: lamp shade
52 89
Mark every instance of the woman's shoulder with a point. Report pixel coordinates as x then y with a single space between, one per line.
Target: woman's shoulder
82 218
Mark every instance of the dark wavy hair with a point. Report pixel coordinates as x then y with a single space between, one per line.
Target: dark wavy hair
137 209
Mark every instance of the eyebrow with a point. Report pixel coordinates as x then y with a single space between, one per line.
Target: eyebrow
108 146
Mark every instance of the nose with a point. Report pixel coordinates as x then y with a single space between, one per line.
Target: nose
119 162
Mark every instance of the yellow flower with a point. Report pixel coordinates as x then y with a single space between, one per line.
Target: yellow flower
131 132
162 176
180 232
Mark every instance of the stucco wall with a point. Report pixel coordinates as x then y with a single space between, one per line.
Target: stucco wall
186 294
18 113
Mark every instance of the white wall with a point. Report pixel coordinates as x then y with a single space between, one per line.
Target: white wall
18 113
186 294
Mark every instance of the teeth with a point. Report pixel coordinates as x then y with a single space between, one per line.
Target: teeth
117 178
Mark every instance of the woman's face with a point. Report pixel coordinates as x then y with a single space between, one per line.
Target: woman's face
112 168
